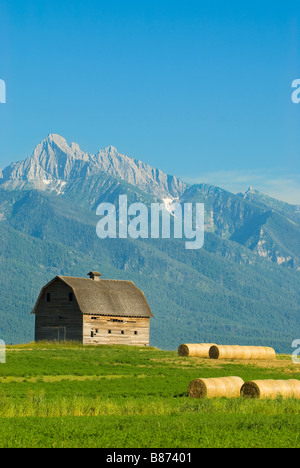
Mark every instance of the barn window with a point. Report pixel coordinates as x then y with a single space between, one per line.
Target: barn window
109 332
48 297
122 332
135 332
71 297
92 334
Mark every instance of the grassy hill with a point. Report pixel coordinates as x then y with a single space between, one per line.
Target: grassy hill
54 395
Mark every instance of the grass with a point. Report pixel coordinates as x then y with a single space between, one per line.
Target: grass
54 395
179 431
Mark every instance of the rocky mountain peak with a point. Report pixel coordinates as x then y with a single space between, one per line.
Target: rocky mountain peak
110 149
54 160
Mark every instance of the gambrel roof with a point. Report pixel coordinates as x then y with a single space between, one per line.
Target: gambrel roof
105 297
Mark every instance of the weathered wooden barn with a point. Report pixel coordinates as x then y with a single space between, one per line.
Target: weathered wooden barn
93 311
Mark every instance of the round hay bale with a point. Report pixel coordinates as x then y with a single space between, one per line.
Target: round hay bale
195 350
242 352
229 387
271 389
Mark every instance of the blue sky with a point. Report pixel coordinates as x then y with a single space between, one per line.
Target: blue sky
200 89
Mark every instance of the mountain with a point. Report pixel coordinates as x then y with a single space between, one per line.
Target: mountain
242 287
268 227
290 211
276 234
54 165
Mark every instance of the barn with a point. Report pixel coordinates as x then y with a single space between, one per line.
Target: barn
92 311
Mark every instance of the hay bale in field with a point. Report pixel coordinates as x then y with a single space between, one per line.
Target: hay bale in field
271 389
242 352
229 387
195 350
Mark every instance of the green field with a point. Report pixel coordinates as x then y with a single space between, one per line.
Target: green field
54 395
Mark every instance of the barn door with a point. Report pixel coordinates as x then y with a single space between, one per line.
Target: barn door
62 334
59 333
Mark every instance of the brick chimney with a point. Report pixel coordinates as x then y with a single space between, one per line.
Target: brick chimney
95 275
